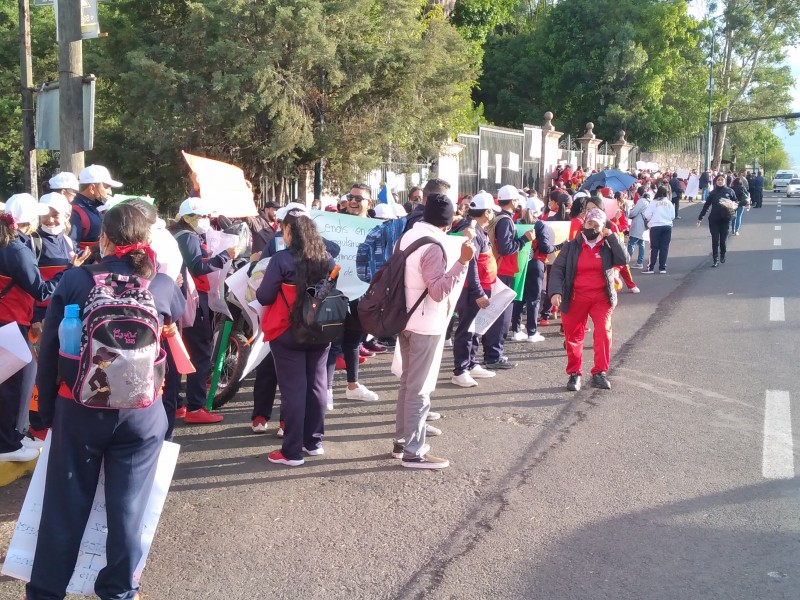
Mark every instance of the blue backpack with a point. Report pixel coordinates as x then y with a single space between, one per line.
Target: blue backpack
376 249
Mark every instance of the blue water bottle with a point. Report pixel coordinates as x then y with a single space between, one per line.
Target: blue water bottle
69 332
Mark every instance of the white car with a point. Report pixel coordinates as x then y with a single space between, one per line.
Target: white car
782 179
793 188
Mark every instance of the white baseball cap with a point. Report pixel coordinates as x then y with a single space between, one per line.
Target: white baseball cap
64 181
384 211
535 205
281 213
25 209
56 201
483 201
97 174
195 206
508 192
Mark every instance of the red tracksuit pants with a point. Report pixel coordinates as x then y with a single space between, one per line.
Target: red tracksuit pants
581 307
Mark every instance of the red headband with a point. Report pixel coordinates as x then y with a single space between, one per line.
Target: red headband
8 219
125 250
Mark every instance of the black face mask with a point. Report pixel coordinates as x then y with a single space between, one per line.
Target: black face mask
590 234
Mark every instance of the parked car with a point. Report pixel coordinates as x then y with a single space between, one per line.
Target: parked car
782 179
793 188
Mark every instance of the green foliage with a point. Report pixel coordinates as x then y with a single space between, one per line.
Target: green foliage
623 64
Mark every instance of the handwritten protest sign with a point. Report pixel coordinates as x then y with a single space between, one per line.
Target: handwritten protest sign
92 556
224 185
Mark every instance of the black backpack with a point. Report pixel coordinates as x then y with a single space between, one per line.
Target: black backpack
324 312
382 310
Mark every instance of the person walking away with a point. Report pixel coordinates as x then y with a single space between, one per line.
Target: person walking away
582 286
719 217
534 277
422 341
743 199
20 285
638 226
189 231
659 216
125 443
94 189
301 368
481 275
758 189
505 246
677 192
705 184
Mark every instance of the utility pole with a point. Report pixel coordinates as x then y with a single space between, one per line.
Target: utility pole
709 132
70 85
26 84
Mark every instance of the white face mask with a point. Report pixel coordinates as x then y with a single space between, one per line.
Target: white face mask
57 230
203 225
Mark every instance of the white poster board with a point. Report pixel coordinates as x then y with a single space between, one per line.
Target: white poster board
92 558
693 186
502 296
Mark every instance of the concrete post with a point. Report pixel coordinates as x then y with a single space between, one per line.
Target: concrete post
447 166
550 152
589 145
623 151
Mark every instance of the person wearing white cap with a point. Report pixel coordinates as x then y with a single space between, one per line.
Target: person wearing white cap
64 183
582 285
21 284
193 222
505 246
481 276
543 244
94 188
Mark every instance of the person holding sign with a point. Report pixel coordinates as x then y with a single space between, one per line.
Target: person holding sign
582 286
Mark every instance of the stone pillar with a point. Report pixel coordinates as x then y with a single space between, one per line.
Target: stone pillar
589 145
447 166
623 151
550 152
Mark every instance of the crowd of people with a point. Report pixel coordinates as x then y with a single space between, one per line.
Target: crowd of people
58 251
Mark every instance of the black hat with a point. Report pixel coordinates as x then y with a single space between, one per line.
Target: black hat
438 211
272 204
104 355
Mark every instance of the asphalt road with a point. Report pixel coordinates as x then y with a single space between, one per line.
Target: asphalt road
655 490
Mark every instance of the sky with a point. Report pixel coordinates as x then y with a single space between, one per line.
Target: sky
791 143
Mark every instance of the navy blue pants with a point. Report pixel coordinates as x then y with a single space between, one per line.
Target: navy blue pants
172 387
265 387
660 237
465 343
303 382
531 297
12 391
495 338
199 341
128 442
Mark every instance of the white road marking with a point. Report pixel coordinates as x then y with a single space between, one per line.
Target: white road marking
776 309
778 453
777 264
778 218
777 227
776 242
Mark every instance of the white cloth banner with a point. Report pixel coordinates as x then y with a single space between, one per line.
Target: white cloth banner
92 557
693 186
14 351
498 168
484 164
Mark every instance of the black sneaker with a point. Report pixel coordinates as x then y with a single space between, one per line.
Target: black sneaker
715 264
722 259
574 383
503 363
397 450
600 380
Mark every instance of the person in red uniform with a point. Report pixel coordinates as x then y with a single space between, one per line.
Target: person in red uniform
582 286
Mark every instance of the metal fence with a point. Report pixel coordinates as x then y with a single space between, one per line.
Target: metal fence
606 157
468 162
400 177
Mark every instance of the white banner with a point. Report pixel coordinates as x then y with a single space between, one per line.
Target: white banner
92 557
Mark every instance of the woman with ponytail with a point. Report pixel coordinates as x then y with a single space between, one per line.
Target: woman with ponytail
301 368
21 284
125 442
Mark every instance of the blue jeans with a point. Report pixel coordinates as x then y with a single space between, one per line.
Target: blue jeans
660 238
636 243
737 220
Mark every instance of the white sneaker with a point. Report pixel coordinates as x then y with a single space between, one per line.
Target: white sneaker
433 416
478 372
536 337
318 451
464 380
24 454
634 290
330 399
432 431
361 393
520 336
34 443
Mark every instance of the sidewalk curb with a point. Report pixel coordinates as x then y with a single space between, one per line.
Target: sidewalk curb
11 471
